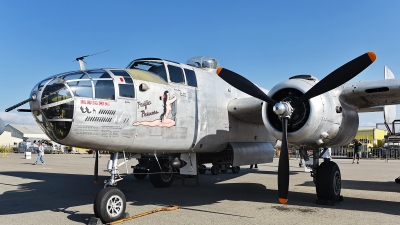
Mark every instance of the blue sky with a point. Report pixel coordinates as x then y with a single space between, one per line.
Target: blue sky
265 41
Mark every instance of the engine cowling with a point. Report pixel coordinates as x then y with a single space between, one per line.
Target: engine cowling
323 121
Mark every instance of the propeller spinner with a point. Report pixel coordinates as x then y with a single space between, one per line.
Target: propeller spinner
285 109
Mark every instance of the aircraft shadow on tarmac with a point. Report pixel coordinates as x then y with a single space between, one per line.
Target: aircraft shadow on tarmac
58 192
365 185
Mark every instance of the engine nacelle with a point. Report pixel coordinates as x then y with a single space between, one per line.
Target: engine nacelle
322 121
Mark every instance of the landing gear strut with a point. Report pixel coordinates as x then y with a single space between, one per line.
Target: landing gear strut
110 203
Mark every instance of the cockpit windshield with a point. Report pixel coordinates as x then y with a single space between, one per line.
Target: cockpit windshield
155 67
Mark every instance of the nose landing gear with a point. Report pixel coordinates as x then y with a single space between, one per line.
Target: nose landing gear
109 205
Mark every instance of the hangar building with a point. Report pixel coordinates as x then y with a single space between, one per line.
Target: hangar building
15 133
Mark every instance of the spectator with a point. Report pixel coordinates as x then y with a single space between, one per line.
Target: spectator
96 152
40 152
357 151
255 166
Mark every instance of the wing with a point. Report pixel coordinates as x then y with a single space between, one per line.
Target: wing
366 94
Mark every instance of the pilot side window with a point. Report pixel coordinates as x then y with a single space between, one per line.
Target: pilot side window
191 78
176 74
126 90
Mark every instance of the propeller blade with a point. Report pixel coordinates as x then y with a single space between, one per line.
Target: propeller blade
283 166
338 77
19 104
24 110
96 168
244 85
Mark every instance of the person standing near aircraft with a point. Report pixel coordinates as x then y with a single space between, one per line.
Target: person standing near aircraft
96 152
255 166
357 151
40 154
327 155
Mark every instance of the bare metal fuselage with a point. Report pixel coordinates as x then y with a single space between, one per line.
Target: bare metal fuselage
197 120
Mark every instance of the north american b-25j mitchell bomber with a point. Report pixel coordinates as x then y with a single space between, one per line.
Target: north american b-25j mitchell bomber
179 117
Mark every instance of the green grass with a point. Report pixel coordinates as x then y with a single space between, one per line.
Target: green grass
5 149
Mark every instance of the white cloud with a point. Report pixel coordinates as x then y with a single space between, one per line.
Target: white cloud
14 118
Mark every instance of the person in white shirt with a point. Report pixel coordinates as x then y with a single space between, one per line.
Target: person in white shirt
327 155
40 154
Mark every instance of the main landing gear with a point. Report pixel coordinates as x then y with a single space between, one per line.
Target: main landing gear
328 181
159 168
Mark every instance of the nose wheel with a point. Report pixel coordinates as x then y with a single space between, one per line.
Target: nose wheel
109 205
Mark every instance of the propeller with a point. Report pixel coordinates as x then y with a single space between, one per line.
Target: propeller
96 168
24 110
284 109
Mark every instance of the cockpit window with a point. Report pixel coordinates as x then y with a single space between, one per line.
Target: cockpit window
104 89
75 76
124 74
191 78
126 90
81 88
157 68
98 74
176 74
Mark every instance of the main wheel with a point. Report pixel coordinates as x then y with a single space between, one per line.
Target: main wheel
202 169
328 182
161 177
397 180
235 169
109 205
215 170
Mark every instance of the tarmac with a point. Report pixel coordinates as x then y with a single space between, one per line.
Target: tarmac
62 192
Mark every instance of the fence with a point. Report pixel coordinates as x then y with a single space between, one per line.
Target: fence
366 153
373 153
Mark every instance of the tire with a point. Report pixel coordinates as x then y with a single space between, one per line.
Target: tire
397 180
202 169
164 179
235 169
109 205
215 170
328 182
139 174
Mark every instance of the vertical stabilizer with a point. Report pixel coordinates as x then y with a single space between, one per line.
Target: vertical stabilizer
389 111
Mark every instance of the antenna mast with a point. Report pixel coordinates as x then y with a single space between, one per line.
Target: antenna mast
82 63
